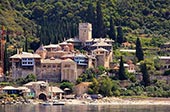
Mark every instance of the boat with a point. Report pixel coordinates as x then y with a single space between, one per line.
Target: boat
56 102
46 103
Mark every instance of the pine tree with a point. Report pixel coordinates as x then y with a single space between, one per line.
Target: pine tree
122 74
112 33
146 77
120 37
139 50
100 22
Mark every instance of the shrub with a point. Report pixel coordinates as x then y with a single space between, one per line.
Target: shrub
116 93
166 73
90 91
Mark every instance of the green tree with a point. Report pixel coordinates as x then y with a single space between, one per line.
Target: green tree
146 77
120 37
139 50
37 12
66 84
20 81
6 61
79 80
7 36
112 32
26 44
95 86
115 88
100 22
25 47
166 72
105 86
100 70
91 17
30 78
122 74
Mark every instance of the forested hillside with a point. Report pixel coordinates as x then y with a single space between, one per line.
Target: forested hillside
45 21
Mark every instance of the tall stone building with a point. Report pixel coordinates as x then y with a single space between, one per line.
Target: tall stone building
25 63
85 32
101 48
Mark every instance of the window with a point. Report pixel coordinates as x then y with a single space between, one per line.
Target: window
54 66
29 62
48 66
67 66
24 62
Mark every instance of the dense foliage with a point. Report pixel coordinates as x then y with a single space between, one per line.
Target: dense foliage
28 78
55 20
30 23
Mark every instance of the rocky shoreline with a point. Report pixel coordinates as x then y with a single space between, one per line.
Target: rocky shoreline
103 101
122 101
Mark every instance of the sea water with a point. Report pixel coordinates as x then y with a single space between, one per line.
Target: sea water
85 108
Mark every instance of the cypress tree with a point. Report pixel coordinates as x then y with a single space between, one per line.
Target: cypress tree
7 36
139 50
6 62
146 77
100 22
120 37
90 17
112 33
26 44
26 41
55 39
122 74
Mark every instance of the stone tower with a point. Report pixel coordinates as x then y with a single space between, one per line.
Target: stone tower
85 32
102 57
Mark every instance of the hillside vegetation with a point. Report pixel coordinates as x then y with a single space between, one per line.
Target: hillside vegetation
30 23
52 21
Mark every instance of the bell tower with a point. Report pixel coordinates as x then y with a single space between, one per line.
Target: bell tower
85 31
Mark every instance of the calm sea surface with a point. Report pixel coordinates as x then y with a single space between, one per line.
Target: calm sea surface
83 108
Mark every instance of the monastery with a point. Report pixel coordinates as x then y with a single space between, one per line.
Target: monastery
58 62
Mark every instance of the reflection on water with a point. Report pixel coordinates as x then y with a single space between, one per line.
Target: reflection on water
83 108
